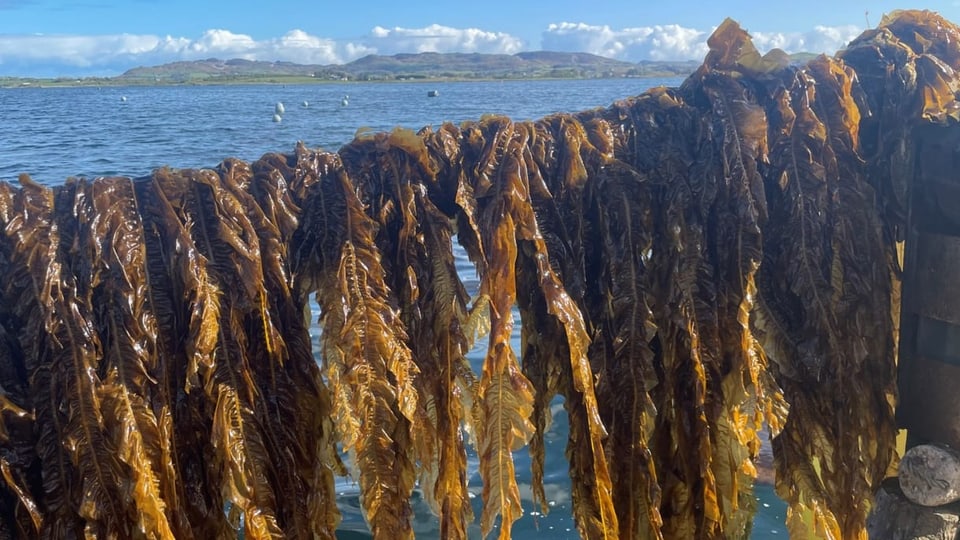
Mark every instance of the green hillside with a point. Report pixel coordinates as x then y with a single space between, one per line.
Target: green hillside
526 65
398 67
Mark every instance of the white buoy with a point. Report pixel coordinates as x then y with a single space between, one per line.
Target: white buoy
123 98
305 104
279 108
345 101
277 118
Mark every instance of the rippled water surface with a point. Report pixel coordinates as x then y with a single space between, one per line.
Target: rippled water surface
53 133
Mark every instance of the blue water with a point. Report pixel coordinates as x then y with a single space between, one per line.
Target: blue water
53 133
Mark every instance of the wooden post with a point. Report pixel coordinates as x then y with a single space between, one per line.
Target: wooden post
929 362
929 353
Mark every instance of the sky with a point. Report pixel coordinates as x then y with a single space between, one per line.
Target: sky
47 38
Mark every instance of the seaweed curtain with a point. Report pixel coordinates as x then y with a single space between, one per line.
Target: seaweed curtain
690 265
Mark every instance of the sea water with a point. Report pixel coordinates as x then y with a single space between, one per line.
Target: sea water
53 133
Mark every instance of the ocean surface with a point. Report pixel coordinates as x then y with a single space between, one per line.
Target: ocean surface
54 133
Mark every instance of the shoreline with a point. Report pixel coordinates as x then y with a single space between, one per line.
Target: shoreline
30 83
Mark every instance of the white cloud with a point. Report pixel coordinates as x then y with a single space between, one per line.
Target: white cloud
660 42
223 40
47 55
294 46
437 38
822 39
675 42
52 55
80 51
110 54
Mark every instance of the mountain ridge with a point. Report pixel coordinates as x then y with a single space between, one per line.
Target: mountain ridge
425 65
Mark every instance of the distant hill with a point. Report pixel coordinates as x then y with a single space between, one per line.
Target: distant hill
539 64
425 66
213 68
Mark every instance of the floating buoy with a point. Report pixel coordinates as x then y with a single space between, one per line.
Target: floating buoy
123 98
279 108
433 93
277 118
305 104
345 100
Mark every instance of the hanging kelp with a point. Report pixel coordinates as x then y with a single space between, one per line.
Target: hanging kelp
825 304
843 184
690 265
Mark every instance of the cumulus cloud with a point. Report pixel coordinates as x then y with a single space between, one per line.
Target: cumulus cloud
20 51
675 42
294 46
54 55
822 39
49 55
660 42
437 38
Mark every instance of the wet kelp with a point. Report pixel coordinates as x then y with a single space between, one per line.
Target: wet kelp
690 265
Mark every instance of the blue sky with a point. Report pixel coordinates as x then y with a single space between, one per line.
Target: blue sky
106 37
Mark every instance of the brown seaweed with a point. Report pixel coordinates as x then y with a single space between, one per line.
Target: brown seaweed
691 265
